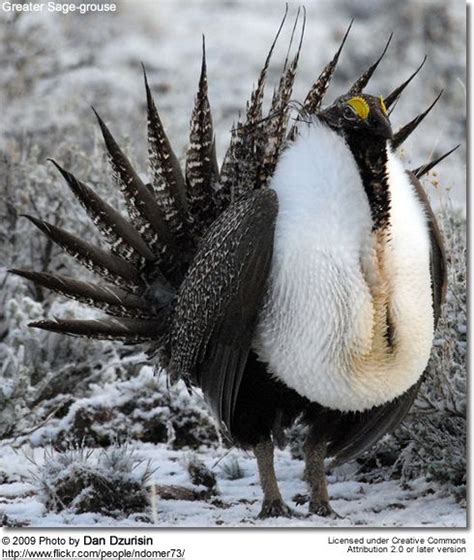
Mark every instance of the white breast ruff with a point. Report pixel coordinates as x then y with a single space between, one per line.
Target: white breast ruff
319 313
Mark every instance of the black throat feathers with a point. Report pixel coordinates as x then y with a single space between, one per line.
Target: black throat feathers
371 158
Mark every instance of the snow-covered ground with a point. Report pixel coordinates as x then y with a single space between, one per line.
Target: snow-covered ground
53 68
238 502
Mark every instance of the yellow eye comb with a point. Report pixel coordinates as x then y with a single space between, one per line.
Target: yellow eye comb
360 106
382 104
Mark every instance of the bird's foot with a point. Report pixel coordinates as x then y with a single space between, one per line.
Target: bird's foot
276 508
323 509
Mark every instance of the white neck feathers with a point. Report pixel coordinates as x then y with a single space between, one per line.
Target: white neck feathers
335 285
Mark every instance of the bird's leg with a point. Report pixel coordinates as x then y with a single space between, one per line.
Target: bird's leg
273 504
315 453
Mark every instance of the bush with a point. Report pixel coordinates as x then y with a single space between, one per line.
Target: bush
107 482
232 470
142 408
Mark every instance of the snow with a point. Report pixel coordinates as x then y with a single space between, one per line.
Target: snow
15 489
237 503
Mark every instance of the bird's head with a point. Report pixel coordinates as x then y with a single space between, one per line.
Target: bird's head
358 116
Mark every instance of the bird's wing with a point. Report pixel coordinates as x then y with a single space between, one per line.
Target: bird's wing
219 300
366 428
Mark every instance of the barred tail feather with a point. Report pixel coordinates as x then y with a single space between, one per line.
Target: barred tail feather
111 267
240 169
277 123
202 171
144 211
254 108
168 185
120 234
232 170
315 96
111 328
110 299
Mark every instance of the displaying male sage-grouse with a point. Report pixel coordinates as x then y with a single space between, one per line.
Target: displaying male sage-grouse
301 279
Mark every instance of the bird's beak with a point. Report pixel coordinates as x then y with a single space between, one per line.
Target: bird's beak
384 128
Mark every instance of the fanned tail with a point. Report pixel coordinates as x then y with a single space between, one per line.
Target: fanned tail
123 239
144 265
110 299
146 214
112 268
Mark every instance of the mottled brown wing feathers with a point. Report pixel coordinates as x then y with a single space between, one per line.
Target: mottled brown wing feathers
220 298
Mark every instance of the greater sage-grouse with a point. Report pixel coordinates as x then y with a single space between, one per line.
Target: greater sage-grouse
302 279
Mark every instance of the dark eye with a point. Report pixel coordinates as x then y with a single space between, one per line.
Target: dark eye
349 113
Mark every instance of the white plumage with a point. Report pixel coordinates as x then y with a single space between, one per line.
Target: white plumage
323 326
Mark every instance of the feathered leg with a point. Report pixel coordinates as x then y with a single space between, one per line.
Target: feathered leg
273 504
315 453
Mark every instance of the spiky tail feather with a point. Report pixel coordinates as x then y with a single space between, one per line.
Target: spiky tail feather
318 90
393 96
425 168
240 168
167 179
278 116
364 79
401 135
202 171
